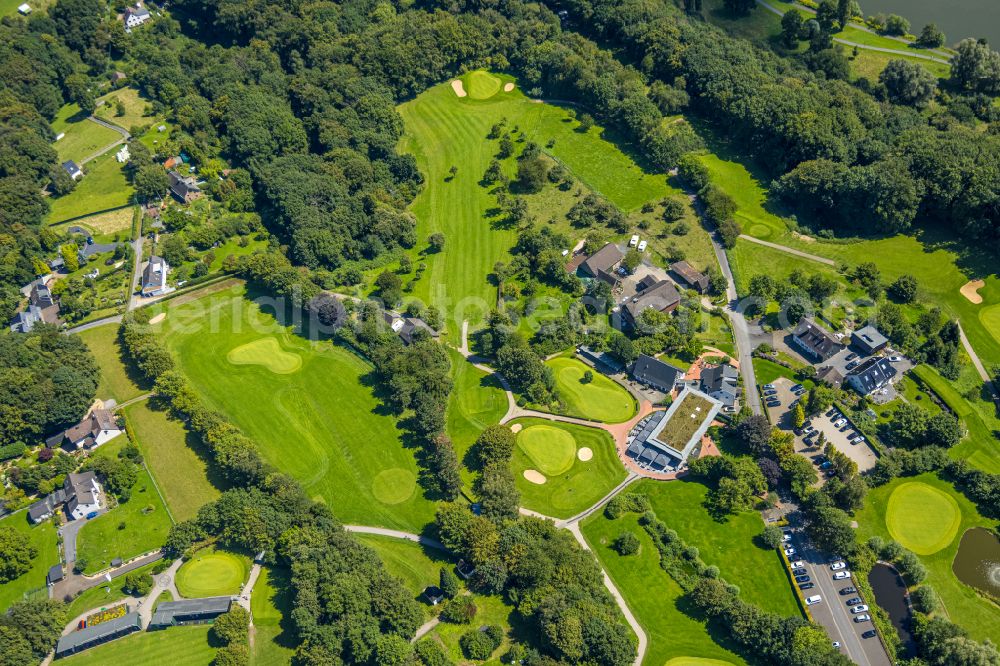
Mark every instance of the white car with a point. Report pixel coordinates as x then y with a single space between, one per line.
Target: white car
809 430
786 537
837 566
815 599
858 440
798 564
789 551
860 608
862 618
895 359
642 246
839 423
836 644
841 575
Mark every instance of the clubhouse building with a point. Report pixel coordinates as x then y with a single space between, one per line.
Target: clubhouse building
664 440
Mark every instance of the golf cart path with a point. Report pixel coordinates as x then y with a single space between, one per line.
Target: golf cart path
789 250
396 534
980 368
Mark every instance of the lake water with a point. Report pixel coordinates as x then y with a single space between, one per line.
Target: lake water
890 594
958 18
977 562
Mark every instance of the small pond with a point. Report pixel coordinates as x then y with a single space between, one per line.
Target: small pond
978 561
890 594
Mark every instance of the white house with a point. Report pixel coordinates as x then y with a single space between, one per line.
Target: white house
24 9
73 169
154 277
97 428
122 155
135 16
83 494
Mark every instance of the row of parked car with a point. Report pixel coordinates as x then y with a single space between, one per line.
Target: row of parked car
843 424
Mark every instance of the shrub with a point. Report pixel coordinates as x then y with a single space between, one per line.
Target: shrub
431 653
479 644
232 627
627 544
460 610
925 598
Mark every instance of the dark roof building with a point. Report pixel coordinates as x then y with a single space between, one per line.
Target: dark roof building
830 375
602 264
189 611
662 297
601 359
98 634
869 340
871 375
407 328
653 372
55 575
24 321
690 276
818 343
722 383
184 188
98 427
73 169
91 248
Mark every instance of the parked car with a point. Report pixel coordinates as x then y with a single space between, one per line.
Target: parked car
839 423
860 608
837 566
774 403
853 601
769 386
864 617
809 430
92 515
851 356
850 589
799 571
802 579
798 564
895 359
807 586
852 365
789 551
798 387
786 537
815 599
836 644
858 440
841 575
869 634
830 412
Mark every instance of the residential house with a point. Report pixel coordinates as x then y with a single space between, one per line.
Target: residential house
39 294
602 265
189 611
830 375
97 428
56 264
690 276
433 594
869 340
80 494
662 297
871 375
407 327
184 188
91 249
24 321
123 156
154 277
653 372
54 575
722 383
817 343
118 77
73 169
98 634
135 16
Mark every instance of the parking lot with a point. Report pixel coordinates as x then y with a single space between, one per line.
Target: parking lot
780 413
832 611
841 437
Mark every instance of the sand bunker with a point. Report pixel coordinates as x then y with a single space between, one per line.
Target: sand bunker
971 289
158 318
584 454
516 428
459 89
507 87
534 476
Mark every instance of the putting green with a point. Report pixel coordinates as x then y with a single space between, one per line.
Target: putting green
211 573
394 486
268 353
481 85
552 450
600 399
991 320
697 661
922 518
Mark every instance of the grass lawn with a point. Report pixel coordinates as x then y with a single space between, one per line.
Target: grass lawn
729 545
177 646
491 610
767 371
412 563
443 130
601 399
176 458
130 529
671 623
476 401
102 187
45 539
82 137
103 596
922 518
116 380
212 573
135 106
270 605
114 222
884 516
718 334
322 424
555 450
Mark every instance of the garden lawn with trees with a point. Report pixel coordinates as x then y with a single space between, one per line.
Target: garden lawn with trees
270 605
416 565
589 394
902 509
178 646
44 539
134 106
556 450
323 424
672 625
103 186
212 572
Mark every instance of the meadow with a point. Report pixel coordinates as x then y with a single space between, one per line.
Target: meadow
45 539
212 572
113 222
270 605
135 108
103 187
600 399
177 646
920 512
323 423
674 628
82 137
116 379
572 484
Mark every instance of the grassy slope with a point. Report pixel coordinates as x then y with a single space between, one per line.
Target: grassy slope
672 627
103 186
580 487
981 618
476 401
177 646
102 539
135 106
116 380
270 604
321 424
728 545
44 539
602 399
176 458
412 563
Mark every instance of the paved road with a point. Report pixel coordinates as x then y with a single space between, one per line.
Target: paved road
116 319
73 584
396 534
125 136
789 250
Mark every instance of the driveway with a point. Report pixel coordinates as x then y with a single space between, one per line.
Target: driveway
69 532
862 454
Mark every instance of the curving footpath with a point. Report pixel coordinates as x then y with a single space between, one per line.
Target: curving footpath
789 250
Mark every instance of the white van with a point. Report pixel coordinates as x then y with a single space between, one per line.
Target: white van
815 599
642 246
634 241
